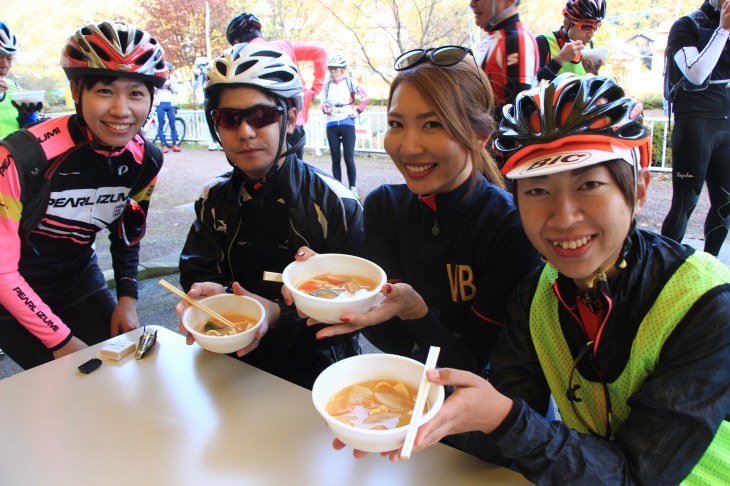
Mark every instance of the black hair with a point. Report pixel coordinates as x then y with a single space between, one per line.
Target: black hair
247 35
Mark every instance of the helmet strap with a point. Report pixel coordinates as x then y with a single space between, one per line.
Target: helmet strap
619 262
282 138
496 17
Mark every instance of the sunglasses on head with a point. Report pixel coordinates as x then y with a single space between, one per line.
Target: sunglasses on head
441 56
257 116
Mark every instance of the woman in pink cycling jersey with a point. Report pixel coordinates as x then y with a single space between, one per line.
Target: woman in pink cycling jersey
53 296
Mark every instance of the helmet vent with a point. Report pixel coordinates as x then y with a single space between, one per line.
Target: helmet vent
141 60
123 40
271 54
222 68
279 77
243 67
74 53
100 52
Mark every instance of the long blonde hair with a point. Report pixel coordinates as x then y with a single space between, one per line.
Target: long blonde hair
463 101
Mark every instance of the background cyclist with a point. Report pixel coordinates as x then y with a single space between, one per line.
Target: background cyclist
338 103
560 51
12 114
698 45
167 108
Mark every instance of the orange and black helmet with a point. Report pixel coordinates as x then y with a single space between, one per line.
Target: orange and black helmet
569 123
114 49
580 11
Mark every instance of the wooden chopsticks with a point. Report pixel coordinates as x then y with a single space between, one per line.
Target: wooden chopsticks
164 283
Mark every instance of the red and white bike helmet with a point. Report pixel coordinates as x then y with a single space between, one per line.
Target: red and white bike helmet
115 49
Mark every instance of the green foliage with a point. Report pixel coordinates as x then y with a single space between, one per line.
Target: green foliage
656 146
652 101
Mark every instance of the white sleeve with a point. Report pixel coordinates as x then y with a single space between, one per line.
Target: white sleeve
697 66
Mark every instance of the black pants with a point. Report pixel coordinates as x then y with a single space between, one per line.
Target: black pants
345 135
700 152
89 320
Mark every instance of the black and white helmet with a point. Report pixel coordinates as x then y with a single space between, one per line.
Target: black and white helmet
8 41
336 60
258 65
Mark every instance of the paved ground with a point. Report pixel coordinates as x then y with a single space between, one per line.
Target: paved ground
185 173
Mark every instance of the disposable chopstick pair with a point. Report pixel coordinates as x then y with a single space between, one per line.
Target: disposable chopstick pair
433 354
164 283
272 277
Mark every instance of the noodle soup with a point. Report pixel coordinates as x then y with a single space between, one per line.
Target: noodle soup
214 336
331 286
214 327
375 405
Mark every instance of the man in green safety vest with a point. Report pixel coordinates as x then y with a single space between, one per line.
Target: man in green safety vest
561 51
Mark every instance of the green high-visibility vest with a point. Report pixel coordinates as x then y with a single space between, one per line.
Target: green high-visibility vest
8 113
569 66
698 274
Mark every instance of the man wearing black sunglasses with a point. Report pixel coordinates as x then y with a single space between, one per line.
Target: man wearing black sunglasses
256 217
560 51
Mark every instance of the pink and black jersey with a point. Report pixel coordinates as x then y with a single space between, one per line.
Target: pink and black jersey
89 191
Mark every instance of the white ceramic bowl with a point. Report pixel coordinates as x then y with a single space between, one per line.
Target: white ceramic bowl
358 369
224 304
595 54
328 311
28 96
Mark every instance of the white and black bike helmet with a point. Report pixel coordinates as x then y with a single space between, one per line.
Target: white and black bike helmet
8 41
256 65
336 61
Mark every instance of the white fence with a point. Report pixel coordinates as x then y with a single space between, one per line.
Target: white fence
369 129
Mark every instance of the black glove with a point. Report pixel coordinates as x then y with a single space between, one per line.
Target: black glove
26 109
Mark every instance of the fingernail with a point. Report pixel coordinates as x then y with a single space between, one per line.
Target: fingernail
300 254
286 300
387 289
344 319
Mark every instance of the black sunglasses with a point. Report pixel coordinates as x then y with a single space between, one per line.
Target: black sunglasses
573 398
441 56
257 116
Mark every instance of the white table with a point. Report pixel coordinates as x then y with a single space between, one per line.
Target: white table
182 416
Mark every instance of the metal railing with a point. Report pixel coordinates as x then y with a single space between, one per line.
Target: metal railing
369 130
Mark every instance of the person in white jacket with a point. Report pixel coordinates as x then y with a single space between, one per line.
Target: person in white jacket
338 104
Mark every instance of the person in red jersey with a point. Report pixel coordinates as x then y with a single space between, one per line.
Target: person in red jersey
508 53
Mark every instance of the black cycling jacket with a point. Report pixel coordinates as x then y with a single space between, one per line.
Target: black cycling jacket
238 235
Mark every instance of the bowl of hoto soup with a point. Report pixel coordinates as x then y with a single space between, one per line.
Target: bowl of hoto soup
244 313
328 285
368 400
